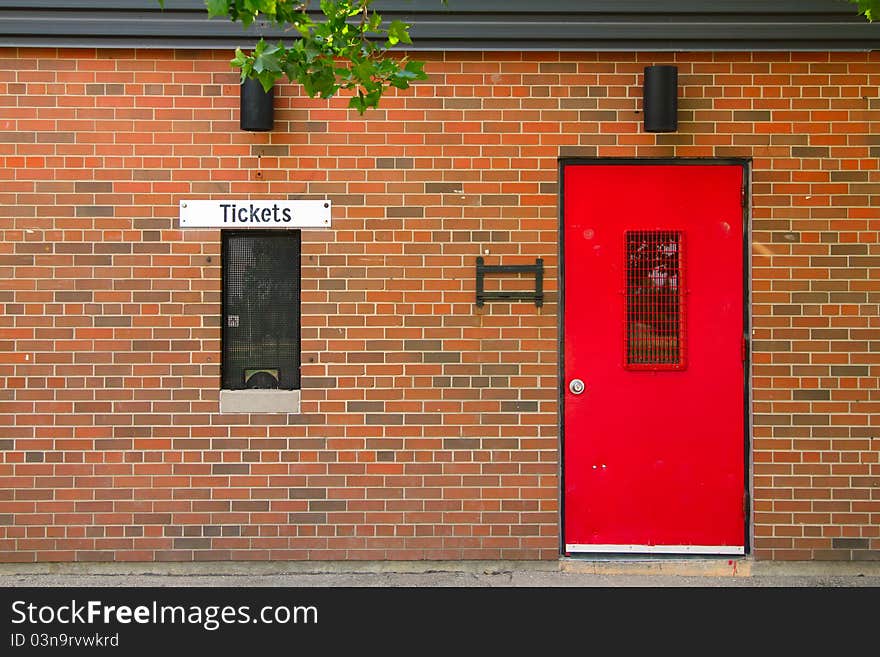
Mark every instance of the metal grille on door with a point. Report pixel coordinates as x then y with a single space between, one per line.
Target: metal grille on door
655 311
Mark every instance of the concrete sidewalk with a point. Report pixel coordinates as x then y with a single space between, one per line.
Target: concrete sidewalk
692 572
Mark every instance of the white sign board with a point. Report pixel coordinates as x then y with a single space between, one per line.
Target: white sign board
254 214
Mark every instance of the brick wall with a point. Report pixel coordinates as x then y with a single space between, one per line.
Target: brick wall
428 426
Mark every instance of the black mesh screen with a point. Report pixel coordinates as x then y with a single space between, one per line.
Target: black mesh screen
654 301
261 309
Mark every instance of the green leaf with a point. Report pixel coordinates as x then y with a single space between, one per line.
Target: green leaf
351 8
412 71
372 98
416 66
374 23
260 6
338 51
268 7
267 60
417 69
239 59
357 102
870 9
217 7
398 31
267 79
364 71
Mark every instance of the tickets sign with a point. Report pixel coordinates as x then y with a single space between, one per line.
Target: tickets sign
254 214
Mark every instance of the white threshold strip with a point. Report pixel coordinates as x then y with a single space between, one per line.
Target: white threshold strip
657 549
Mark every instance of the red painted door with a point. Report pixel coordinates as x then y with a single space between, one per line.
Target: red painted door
653 328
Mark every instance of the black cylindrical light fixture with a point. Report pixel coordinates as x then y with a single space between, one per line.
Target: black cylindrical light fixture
256 114
660 98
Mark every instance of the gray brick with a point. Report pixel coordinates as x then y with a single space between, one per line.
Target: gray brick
405 211
94 210
557 67
56 137
307 493
92 187
811 395
763 420
849 176
461 443
230 468
519 407
850 370
771 345
74 297
151 174
810 419
752 115
499 199
442 357
384 418
15 137
848 297
850 543
394 163
327 505
112 320
302 518
444 188
787 309
849 249
423 345
499 443
270 150
809 297
365 406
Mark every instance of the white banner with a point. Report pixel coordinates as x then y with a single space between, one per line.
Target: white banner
254 214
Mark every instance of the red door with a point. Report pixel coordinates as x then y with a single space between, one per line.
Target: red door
653 358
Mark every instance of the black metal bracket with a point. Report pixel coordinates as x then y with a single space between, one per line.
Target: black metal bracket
537 269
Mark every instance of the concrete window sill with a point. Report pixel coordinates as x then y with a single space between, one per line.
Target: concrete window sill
259 401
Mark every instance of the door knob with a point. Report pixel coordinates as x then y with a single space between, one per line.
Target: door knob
576 386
